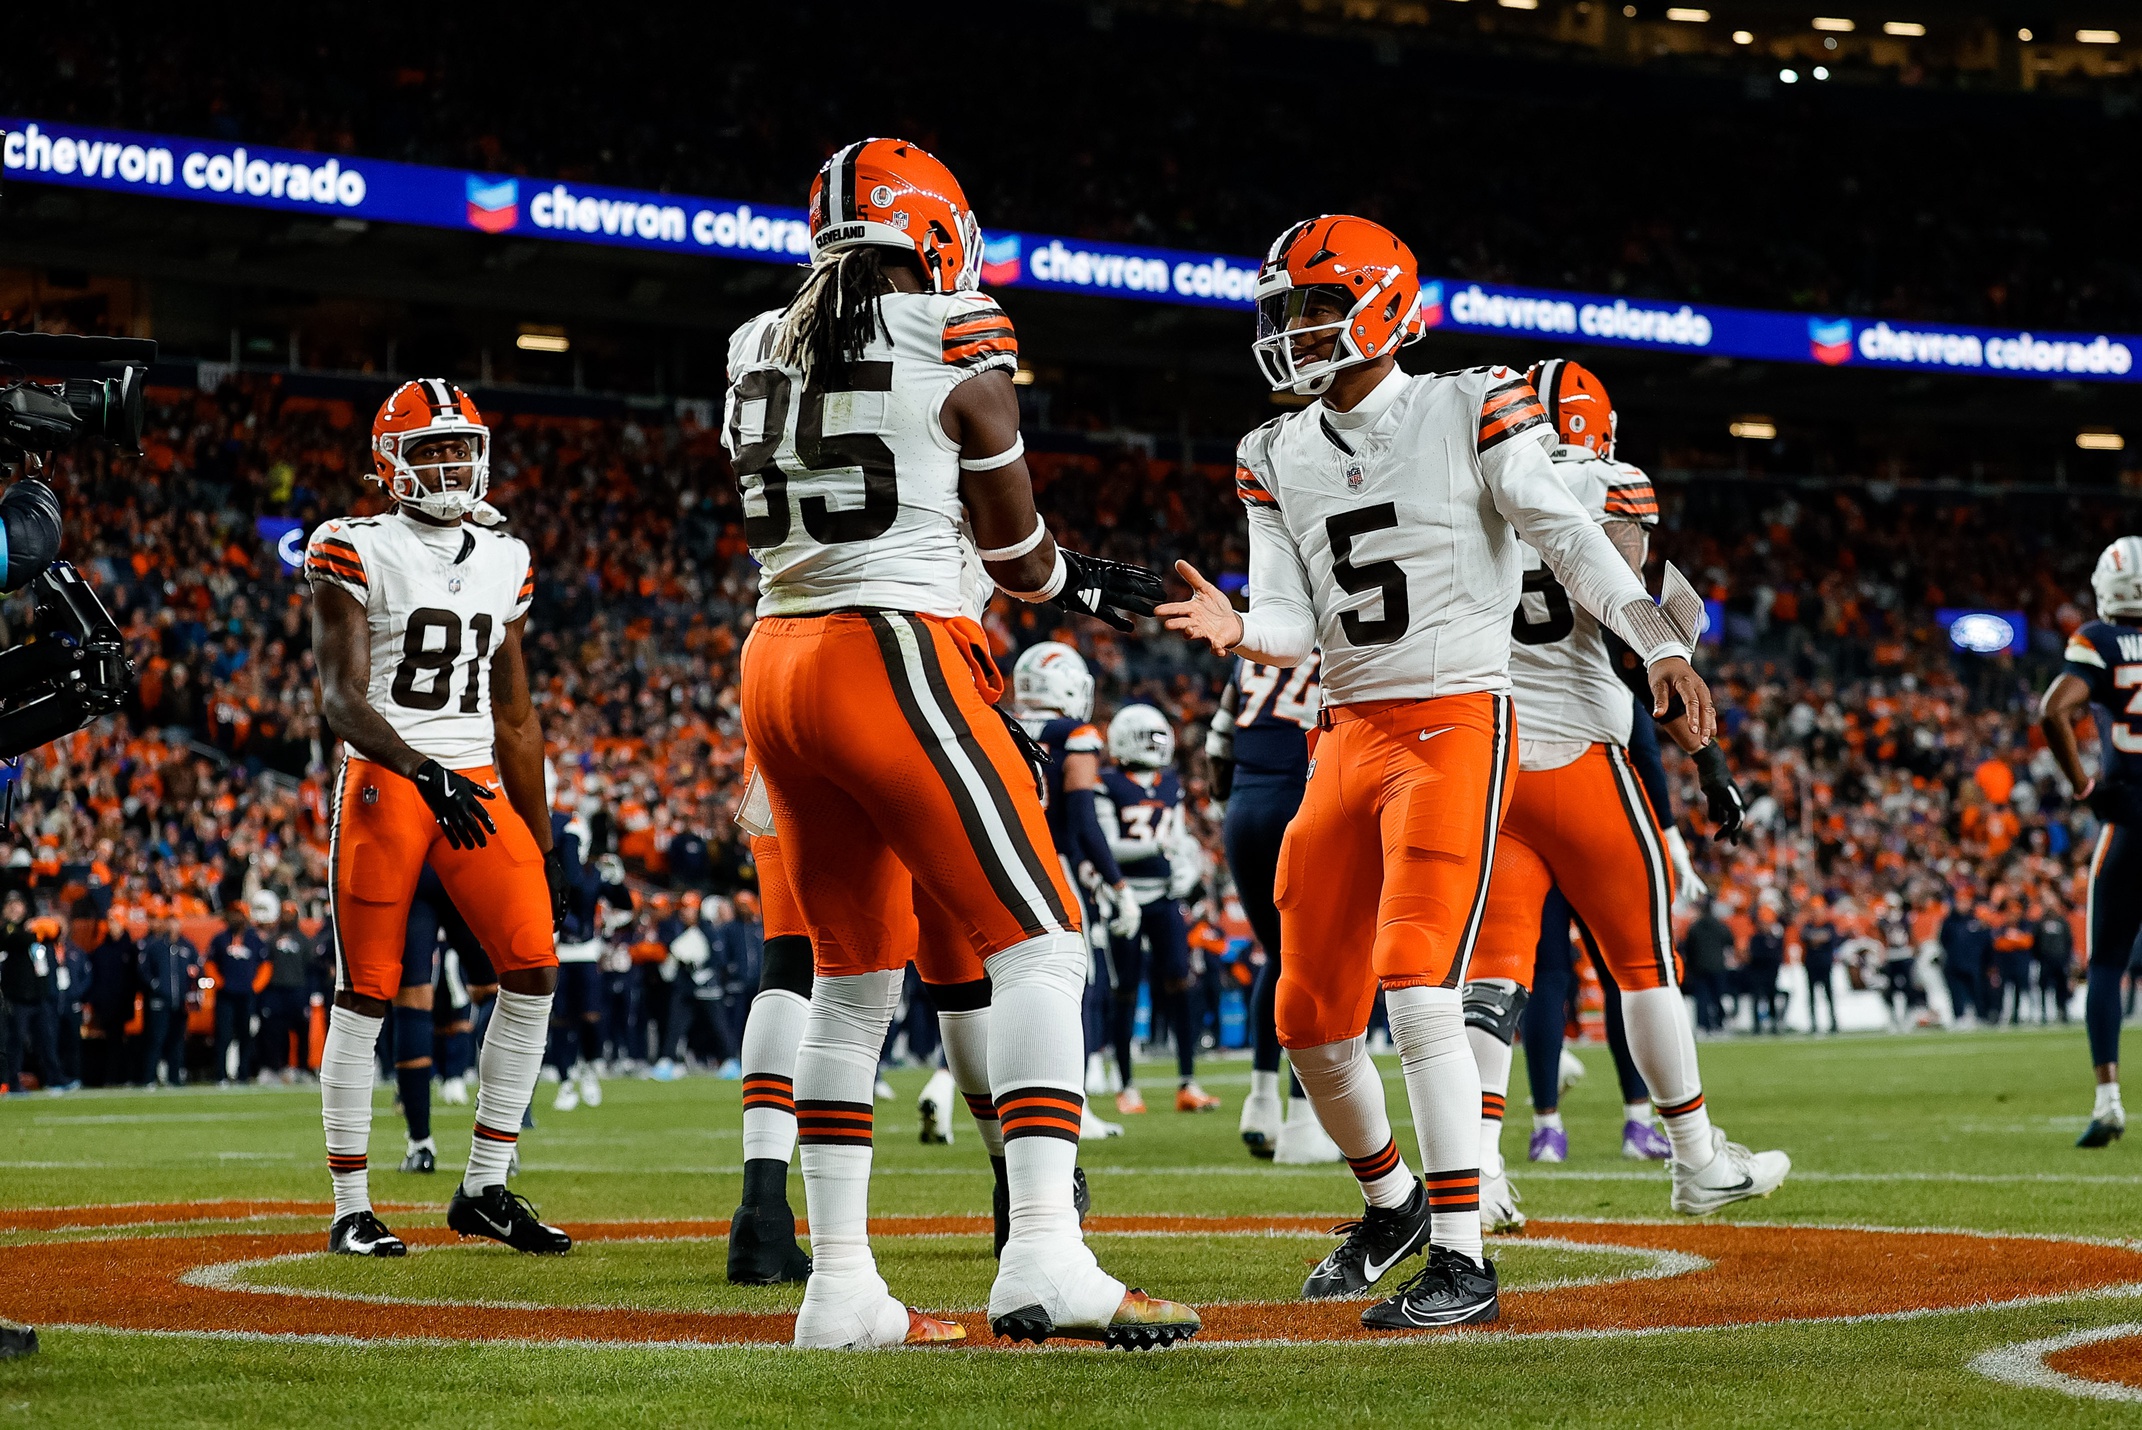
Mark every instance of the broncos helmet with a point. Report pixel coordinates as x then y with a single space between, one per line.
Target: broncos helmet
1051 678
1141 738
2118 579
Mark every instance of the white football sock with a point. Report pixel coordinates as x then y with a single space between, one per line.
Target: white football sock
512 1056
1636 1112
1662 1044
2108 1096
1037 1049
1264 1084
346 1104
1492 1055
772 1032
1443 1085
1347 1093
966 1044
1547 1121
836 1070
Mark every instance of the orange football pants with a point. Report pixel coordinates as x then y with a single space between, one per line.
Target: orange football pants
891 777
1588 827
384 834
940 953
1383 874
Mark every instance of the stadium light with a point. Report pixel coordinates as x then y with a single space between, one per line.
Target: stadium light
1024 377
542 340
2099 439
1907 29
1835 23
1821 72
1788 76
1753 429
1519 4
2097 37
1688 16
2024 36
1743 37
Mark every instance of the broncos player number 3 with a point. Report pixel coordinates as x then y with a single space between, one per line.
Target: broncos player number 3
814 452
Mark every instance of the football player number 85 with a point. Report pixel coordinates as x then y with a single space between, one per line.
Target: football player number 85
814 452
435 667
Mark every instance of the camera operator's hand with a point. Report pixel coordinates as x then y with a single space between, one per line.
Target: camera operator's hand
30 527
454 801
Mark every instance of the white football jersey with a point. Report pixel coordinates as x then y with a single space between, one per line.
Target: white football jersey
438 600
1389 537
851 493
1564 683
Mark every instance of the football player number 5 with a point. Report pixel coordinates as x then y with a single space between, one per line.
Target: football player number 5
814 452
1385 576
435 667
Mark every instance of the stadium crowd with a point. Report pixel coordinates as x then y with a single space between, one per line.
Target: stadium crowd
1894 784
1695 184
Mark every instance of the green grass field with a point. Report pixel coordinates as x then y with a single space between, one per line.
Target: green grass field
1958 1131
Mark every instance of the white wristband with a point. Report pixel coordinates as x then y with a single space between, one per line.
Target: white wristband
1049 589
1004 458
1019 548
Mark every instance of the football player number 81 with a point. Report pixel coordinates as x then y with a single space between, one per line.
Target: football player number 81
419 660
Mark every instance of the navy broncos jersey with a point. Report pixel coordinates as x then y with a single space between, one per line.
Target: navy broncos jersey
1278 710
1143 815
2107 657
1060 736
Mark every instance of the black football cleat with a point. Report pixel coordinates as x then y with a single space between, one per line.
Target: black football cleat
1000 1203
2102 1132
420 1158
1383 1237
363 1234
505 1216
1449 1291
762 1247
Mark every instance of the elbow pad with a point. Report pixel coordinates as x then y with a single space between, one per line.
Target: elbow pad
1630 670
30 519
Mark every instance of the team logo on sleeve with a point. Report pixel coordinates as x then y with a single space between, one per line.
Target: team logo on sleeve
1831 342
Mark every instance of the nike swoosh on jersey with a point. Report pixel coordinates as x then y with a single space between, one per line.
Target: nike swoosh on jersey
1431 734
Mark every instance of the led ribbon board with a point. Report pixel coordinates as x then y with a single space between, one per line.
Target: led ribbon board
378 190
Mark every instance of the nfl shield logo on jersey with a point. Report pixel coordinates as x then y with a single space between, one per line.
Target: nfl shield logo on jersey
1353 475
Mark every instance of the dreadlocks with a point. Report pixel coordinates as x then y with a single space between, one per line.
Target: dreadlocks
835 314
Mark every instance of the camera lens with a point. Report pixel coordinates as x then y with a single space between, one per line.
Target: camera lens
109 407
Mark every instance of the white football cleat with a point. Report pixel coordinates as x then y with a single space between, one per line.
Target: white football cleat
1059 1276
454 1092
590 1086
859 1314
1093 1129
1499 1215
935 1107
1570 1072
1734 1174
883 1090
1260 1123
568 1096
1302 1141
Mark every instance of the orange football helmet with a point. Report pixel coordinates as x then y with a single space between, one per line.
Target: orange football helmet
1577 404
888 193
1363 269
417 411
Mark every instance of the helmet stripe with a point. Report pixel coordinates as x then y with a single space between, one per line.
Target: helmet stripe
845 208
1549 388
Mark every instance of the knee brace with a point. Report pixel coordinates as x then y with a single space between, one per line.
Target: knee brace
1057 959
1494 1007
787 965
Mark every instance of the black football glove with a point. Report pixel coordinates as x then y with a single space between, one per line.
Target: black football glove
2115 801
560 890
1721 794
1031 750
457 803
1095 586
